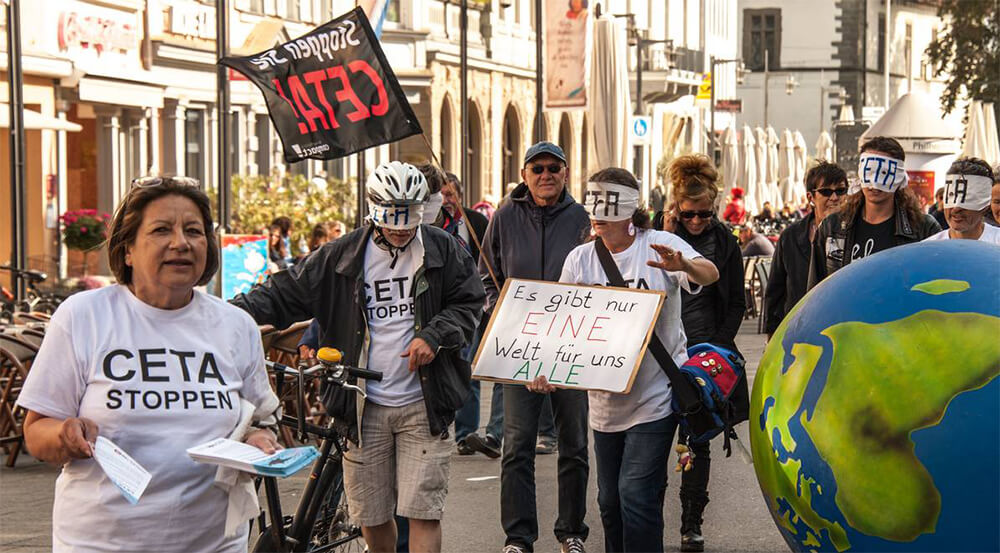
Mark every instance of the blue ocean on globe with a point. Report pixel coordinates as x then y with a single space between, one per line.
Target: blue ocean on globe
875 413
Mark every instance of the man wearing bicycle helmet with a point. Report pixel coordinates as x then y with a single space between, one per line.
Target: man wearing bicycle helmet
400 298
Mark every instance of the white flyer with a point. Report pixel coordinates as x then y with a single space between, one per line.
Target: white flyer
127 474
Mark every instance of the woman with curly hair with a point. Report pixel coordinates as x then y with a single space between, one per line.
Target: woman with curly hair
712 316
883 215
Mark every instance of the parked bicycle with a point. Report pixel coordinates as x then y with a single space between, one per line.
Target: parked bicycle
35 300
321 522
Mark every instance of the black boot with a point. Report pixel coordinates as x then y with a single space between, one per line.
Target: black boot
691 538
694 497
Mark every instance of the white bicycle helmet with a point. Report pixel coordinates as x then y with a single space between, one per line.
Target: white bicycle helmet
397 183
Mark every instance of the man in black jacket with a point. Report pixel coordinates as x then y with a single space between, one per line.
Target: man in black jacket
530 237
826 186
401 298
883 215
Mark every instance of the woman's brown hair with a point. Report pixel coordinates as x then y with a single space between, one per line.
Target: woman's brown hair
128 218
693 177
616 175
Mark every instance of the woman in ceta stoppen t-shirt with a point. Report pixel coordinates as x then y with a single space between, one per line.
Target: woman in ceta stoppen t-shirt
633 432
155 367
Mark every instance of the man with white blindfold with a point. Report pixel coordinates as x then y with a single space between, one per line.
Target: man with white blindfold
967 189
883 215
401 298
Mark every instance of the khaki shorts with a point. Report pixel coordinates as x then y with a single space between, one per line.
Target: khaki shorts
401 468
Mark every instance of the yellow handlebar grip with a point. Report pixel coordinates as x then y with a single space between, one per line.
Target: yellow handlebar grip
329 355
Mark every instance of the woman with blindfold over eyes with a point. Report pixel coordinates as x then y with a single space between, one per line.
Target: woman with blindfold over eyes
633 432
826 187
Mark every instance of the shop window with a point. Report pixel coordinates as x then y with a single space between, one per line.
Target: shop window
762 33
392 10
194 144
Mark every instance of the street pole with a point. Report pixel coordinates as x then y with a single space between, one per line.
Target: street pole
638 101
767 76
888 43
711 107
222 91
362 207
539 118
17 192
463 69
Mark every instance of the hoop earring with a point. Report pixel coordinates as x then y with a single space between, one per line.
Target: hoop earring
631 229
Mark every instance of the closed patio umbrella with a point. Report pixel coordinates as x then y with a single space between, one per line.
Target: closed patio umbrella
786 168
730 163
609 86
748 170
824 147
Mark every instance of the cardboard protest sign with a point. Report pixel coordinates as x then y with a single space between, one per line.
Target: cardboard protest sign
584 337
330 92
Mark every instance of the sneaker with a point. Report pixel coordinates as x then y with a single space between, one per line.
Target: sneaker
514 548
489 447
572 545
545 445
692 541
464 448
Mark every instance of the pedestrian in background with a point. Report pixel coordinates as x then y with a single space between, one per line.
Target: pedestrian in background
713 315
529 237
826 187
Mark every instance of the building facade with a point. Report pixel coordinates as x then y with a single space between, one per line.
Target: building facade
836 53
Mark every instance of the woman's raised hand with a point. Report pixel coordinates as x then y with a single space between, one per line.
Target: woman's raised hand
670 259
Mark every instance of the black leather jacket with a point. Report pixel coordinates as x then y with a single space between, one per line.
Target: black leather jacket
789 272
835 236
329 286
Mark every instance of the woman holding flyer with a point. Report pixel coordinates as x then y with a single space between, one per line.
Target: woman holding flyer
633 432
149 368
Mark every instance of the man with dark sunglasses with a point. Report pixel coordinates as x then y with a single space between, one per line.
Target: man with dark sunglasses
826 186
529 237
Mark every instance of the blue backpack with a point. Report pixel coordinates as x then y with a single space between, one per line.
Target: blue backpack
714 372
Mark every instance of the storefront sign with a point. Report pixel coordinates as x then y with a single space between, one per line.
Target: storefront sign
192 20
583 337
102 33
729 106
922 185
330 92
567 54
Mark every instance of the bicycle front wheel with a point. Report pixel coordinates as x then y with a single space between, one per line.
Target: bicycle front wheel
334 531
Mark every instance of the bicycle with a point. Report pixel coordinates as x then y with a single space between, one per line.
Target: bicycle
321 522
35 299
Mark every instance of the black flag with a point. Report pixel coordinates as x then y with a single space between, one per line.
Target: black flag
330 92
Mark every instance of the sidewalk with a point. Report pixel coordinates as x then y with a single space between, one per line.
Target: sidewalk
736 519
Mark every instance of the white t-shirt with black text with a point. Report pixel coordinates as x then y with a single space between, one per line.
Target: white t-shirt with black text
649 399
156 382
389 310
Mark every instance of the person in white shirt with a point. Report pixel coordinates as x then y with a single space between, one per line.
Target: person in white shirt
156 367
633 432
968 186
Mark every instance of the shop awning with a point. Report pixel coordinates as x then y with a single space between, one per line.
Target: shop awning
37 121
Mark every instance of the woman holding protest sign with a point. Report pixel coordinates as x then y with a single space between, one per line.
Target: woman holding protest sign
713 316
633 432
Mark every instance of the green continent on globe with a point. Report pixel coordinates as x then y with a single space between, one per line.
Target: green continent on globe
782 480
882 487
941 286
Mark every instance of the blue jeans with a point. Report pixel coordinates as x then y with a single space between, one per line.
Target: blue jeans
631 483
494 428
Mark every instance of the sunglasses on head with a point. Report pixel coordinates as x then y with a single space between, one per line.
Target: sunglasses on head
706 214
827 192
553 168
149 182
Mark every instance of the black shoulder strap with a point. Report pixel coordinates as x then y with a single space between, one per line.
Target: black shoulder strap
686 396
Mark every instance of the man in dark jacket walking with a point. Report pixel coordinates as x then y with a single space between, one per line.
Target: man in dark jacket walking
529 237
826 186
883 215
401 298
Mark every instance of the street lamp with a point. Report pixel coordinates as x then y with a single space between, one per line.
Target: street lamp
741 73
790 83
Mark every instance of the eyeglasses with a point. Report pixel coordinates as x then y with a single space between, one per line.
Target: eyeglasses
553 168
827 192
706 214
149 182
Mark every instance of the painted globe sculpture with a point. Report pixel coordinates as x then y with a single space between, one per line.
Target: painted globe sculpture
875 412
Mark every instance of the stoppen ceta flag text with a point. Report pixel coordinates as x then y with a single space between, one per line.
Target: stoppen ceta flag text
330 92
